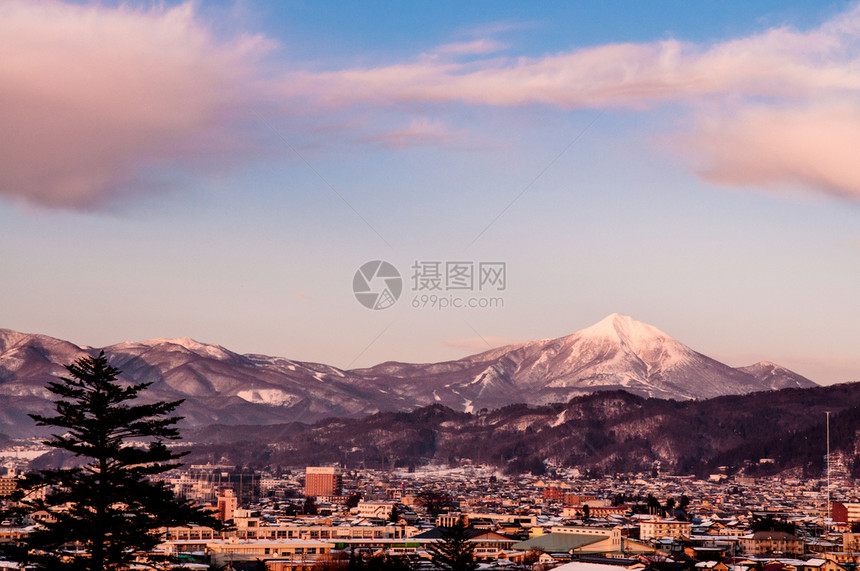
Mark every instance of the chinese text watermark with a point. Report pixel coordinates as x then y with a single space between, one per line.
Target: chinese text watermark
435 284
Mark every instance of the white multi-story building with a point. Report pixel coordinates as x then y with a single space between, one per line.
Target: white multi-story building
378 510
658 528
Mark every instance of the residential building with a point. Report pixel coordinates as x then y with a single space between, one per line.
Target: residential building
227 504
852 512
772 542
376 510
576 511
659 528
226 551
851 542
8 484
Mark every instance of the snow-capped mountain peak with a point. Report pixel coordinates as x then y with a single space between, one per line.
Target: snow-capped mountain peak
187 343
624 329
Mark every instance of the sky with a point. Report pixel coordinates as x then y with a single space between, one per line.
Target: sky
222 171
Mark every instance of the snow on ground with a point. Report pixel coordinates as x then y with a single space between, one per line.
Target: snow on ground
23 453
435 471
559 419
275 397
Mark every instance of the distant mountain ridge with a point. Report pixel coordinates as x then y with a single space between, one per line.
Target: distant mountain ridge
605 432
224 387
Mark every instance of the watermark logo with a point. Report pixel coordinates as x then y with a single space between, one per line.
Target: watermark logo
377 285
433 275
435 284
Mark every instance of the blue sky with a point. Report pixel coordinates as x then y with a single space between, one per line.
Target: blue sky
221 170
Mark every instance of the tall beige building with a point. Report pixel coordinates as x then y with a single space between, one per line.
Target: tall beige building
227 504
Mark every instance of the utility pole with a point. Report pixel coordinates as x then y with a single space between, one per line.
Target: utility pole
827 460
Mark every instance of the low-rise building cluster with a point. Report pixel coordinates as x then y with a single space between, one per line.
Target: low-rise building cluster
325 516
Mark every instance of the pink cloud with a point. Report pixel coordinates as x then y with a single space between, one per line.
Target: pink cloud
481 46
614 75
90 96
421 131
814 147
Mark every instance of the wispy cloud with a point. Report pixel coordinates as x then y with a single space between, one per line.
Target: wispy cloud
474 47
420 131
781 62
781 81
490 29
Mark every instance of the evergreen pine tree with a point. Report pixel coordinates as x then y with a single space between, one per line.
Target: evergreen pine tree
108 511
454 552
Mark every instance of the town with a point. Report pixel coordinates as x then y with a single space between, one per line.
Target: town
323 517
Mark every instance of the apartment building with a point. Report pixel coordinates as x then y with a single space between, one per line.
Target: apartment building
658 528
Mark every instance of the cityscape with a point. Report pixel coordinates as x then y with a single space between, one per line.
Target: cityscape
317 517
339 285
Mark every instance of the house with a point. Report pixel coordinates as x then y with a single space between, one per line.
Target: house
822 565
711 566
851 542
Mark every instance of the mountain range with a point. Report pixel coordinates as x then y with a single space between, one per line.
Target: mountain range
223 387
